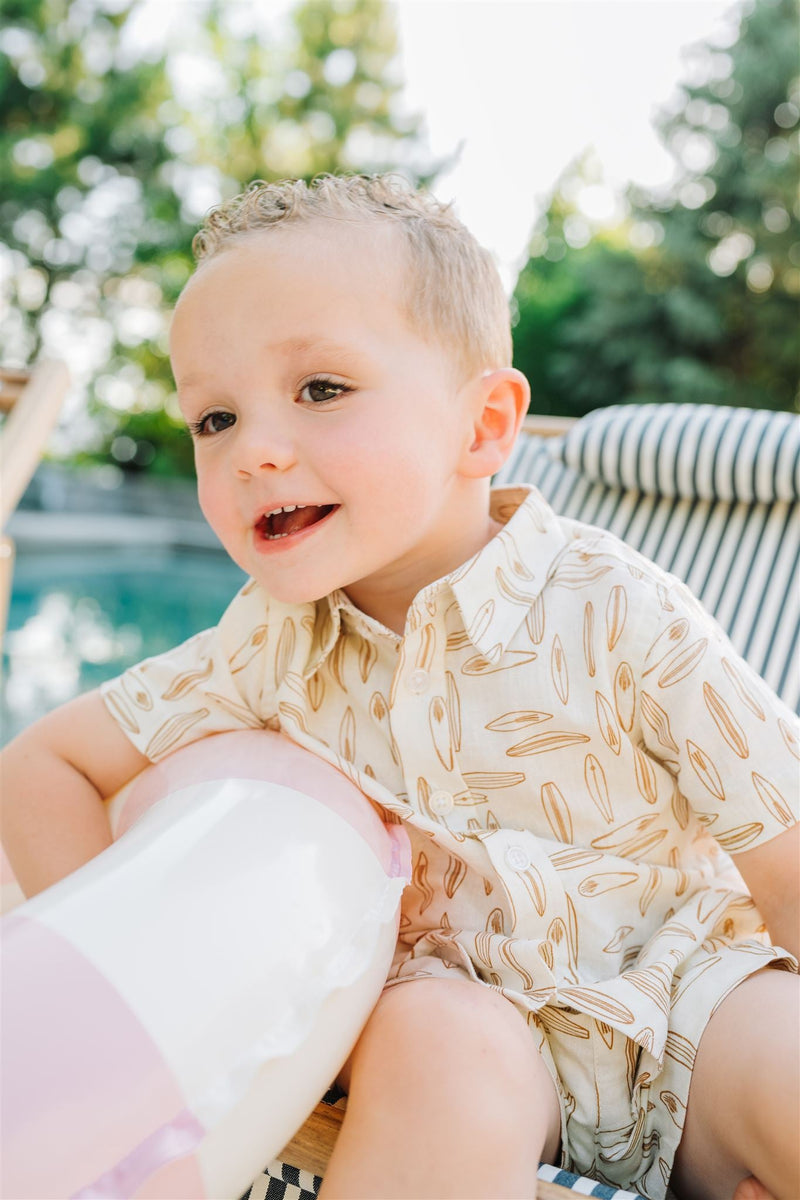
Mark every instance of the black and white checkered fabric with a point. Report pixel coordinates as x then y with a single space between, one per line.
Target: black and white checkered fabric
282 1182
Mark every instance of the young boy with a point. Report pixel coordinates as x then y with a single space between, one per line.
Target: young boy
569 739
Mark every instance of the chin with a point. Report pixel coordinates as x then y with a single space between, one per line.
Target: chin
288 593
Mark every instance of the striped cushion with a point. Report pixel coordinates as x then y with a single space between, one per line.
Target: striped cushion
282 1182
698 451
583 1186
741 560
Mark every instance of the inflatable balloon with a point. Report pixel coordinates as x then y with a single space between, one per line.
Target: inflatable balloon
173 1011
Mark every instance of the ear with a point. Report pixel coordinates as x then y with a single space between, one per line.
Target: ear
500 402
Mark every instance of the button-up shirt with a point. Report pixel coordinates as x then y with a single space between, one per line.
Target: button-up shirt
571 741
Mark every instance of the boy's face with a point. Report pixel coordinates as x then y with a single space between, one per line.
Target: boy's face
329 435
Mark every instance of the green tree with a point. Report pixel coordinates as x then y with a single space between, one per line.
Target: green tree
83 148
116 147
695 296
556 293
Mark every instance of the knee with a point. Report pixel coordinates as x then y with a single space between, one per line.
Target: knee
451 1018
456 1053
456 1028
450 1070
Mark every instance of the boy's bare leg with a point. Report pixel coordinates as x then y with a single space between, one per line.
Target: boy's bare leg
743 1115
448 1097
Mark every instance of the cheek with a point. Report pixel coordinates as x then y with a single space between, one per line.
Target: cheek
413 468
211 497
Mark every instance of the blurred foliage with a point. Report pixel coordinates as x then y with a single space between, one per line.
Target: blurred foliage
694 296
114 145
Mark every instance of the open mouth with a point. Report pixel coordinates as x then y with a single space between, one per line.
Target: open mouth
292 518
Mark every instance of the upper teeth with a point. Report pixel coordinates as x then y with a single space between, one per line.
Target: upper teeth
286 508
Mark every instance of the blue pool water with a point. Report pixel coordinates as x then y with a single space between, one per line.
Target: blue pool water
82 615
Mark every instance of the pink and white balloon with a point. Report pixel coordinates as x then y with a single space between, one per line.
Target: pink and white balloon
174 1010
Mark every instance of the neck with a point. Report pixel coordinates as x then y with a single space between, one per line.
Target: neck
389 598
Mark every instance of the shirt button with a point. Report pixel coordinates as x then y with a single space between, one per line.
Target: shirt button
517 858
419 681
441 803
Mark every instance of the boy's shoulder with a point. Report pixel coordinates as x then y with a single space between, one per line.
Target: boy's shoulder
572 574
582 555
600 565
607 553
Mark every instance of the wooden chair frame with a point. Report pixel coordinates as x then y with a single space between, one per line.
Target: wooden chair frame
547 427
31 401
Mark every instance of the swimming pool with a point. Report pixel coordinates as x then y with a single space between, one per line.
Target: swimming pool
83 614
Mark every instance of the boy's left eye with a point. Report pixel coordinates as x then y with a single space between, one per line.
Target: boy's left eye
317 391
213 422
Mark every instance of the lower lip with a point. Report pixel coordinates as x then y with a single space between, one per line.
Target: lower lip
278 545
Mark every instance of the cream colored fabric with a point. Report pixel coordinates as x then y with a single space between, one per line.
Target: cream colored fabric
562 728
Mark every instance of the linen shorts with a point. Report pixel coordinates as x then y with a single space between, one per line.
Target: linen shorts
622 1109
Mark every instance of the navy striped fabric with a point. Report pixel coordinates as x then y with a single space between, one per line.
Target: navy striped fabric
740 559
583 1186
696 451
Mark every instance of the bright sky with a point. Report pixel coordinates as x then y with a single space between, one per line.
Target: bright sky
523 87
527 85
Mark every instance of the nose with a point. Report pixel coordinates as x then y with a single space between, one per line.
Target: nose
263 448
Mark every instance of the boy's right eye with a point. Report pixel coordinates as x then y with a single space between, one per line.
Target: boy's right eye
213 422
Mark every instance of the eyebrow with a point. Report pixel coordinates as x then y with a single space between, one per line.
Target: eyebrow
286 348
304 345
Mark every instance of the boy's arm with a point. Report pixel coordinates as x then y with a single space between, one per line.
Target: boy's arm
731 744
55 777
772 875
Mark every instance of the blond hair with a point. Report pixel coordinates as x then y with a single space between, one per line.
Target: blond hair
454 289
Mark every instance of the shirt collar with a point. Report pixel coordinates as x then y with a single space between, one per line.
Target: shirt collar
327 620
495 589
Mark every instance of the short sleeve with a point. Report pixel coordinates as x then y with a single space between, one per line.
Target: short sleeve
213 683
731 742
